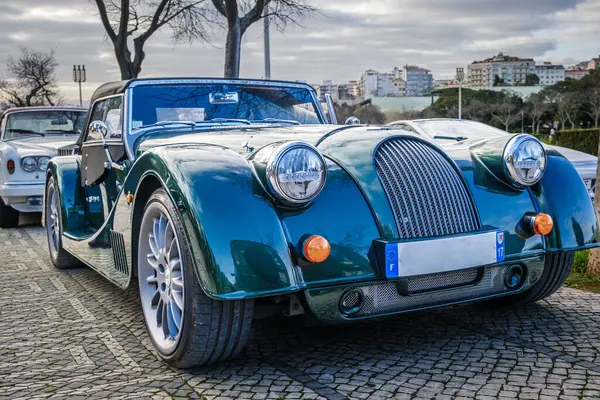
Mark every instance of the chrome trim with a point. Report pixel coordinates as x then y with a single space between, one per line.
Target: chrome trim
332 116
426 191
271 174
509 168
129 137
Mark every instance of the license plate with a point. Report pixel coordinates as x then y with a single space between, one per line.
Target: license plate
452 253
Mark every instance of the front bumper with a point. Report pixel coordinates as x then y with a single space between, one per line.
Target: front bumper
340 303
23 197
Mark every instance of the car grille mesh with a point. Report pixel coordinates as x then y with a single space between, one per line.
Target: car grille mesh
426 192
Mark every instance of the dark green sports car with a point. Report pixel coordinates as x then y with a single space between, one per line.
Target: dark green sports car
225 199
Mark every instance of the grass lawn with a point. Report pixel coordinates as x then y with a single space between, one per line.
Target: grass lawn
579 279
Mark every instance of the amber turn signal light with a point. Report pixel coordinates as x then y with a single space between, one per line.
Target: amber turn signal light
10 166
316 249
542 224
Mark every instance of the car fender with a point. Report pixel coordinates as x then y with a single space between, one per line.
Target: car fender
66 173
236 239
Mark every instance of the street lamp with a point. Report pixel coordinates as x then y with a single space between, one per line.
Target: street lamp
267 43
460 76
79 76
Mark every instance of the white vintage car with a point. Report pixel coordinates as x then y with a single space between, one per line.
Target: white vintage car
30 136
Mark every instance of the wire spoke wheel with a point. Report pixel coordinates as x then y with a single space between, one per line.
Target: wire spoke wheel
161 278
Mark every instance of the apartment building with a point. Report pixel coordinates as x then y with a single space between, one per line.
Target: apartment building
576 72
418 81
549 73
511 70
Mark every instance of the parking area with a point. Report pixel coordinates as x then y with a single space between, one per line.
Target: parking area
65 334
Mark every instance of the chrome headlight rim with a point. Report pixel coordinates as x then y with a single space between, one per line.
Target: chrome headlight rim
45 160
34 164
271 172
509 164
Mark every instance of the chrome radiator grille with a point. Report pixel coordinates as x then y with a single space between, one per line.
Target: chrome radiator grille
427 195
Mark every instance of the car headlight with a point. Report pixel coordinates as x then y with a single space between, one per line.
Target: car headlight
29 164
296 172
42 163
524 161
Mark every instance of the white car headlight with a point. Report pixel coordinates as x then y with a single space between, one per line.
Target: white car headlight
29 164
296 172
524 161
42 163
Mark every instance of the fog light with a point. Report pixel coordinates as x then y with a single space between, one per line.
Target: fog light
316 249
351 302
542 224
514 277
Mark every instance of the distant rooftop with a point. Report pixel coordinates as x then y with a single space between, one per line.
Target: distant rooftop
500 57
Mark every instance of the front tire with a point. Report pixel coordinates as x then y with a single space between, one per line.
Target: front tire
187 327
59 256
9 217
557 267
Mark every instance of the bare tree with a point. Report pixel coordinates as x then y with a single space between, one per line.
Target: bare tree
591 95
505 111
240 14
140 19
537 106
31 79
567 105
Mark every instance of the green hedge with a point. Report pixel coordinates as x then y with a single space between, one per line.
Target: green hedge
585 140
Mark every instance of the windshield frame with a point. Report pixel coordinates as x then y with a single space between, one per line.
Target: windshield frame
8 113
130 136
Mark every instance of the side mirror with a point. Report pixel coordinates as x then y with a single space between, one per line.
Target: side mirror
352 120
99 128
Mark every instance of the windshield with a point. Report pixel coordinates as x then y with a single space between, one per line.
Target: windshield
457 129
199 103
43 123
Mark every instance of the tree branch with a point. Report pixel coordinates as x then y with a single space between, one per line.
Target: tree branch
105 21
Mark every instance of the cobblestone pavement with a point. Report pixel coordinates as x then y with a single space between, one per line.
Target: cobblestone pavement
69 334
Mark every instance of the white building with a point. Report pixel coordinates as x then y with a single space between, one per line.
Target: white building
510 70
549 73
399 87
327 87
368 83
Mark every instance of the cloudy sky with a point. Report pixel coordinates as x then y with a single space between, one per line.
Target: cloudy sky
351 36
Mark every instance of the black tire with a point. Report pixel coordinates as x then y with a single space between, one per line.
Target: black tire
61 258
9 217
556 269
212 331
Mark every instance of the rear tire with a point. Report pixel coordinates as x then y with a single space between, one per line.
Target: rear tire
9 217
59 256
187 327
556 269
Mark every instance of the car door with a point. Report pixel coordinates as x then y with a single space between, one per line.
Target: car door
102 183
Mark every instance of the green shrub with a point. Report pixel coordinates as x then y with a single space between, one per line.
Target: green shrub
581 261
585 140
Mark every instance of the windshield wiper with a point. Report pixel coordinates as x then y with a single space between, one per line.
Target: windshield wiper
225 120
25 131
281 121
457 138
161 123
69 131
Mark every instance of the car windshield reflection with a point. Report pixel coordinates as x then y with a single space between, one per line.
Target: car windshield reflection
224 104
